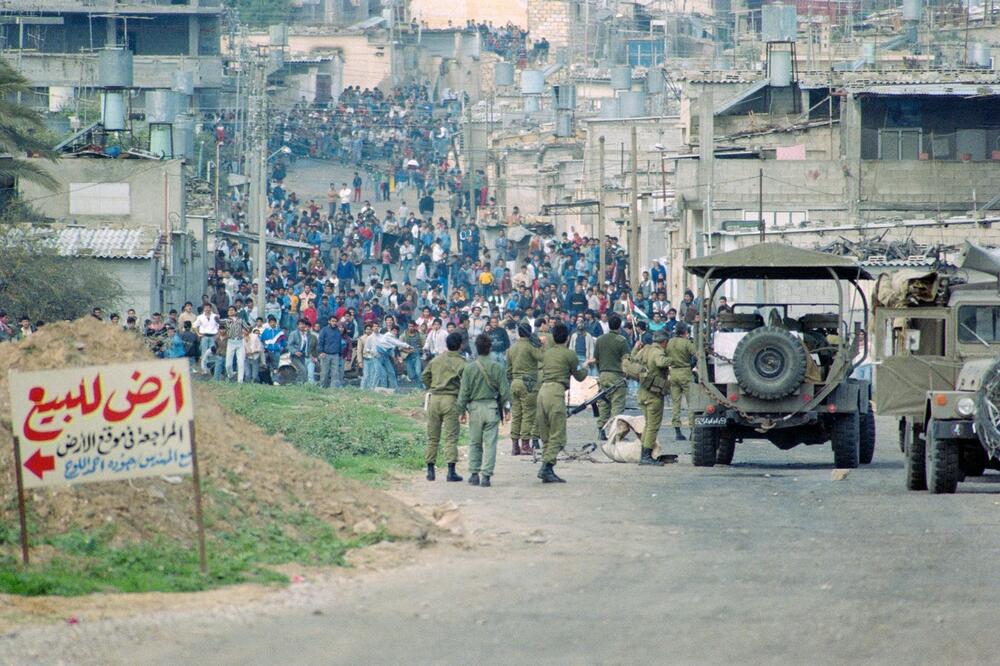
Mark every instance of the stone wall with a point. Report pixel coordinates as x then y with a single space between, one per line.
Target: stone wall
551 19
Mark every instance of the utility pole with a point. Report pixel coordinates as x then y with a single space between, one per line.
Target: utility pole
633 241
470 164
760 204
257 161
602 267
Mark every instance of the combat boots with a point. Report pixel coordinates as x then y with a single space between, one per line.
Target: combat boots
452 476
648 459
430 471
485 483
525 447
474 479
679 435
548 475
514 449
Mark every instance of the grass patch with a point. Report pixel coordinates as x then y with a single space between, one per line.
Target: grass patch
86 562
364 435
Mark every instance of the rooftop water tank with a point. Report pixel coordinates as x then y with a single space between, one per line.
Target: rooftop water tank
610 108
781 69
503 74
114 68
868 52
912 10
162 106
633 104
621 77
979 55
184 136
532 104
532 82
778 23
564 97
113 111
654 82
278 35
61 97
564 124
161 140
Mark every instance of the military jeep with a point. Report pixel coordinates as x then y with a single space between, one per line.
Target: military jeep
937 340
782 371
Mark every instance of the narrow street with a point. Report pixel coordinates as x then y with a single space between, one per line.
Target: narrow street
769 560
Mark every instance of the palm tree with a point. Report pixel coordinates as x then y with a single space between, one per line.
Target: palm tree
20 129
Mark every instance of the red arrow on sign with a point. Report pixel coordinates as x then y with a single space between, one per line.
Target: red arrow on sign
38 464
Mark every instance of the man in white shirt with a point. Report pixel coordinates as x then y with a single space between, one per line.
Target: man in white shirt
206 325
345 198
402 212
434 343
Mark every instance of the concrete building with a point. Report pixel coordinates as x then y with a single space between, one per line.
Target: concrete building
55 44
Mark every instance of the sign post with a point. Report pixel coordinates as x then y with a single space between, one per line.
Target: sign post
103 423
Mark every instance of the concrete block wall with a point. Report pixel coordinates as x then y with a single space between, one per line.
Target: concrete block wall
551 19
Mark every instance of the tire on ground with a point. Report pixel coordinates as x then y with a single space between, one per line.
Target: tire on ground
726 449
974 459
769 363
704 446
844 440
914 450
866 442
942 463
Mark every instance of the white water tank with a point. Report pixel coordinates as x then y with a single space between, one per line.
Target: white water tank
654 82
532 82
113 110
979 55
912 10
162 106
564 96
184 136
781 69
532 104
621 77
503 74
278 35
60 97
633 104
114 68
868 52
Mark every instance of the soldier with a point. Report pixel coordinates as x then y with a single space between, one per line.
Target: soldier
651 389
559 363
484 392
609 350
443 377
523 359
680 351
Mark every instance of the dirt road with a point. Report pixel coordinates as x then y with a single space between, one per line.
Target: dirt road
767 561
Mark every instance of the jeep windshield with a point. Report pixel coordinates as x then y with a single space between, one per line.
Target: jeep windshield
979 323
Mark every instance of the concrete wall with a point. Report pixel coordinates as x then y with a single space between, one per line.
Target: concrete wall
551 19
367 59
140 282
78 70
146 180
439 15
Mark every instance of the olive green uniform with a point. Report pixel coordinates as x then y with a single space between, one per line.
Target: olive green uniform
609 350
680 351
523 359
651 390
558 365
483 381
443 377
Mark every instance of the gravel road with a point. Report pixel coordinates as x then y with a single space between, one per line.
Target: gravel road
765 561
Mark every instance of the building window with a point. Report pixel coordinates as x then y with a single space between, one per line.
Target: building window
778 219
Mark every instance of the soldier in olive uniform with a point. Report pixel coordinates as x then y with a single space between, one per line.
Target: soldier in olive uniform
443 377
523 359
680 351
484 392
651 390
609 350
559 363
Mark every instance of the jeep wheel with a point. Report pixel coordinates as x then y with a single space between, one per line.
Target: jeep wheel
704 446
866 443
914 451
942 463
844 440
726 449
973 459
769 363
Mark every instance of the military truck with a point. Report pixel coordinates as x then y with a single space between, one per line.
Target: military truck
782 371
937 340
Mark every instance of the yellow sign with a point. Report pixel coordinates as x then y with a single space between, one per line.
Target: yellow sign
102 423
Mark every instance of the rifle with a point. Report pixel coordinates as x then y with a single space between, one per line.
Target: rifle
602 395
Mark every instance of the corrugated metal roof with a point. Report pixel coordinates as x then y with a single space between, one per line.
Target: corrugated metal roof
107 242
741 97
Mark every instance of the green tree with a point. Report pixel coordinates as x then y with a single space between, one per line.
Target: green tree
21 131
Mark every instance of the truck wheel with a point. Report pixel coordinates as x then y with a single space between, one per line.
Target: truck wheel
942 463
704 446
844 438
866 442
916 457
973 459
726 449
769 363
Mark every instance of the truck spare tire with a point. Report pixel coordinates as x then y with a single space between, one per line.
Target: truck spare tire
769 363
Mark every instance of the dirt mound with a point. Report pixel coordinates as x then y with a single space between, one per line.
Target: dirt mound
259 477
